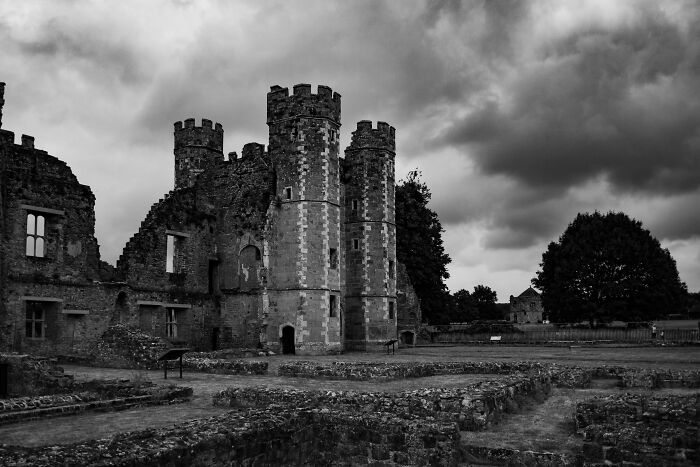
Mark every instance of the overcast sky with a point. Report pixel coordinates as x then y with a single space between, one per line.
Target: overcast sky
520 114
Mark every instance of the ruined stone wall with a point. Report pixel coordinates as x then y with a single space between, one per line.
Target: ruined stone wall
408 307
49 254
642 429
370 236
304 229
263 437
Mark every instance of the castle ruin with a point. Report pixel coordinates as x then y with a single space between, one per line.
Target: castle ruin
289 247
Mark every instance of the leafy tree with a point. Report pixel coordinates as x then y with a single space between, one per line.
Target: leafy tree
419 247
607 267
480 304
465 308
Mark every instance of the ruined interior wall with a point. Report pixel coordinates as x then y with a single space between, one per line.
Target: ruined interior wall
407 302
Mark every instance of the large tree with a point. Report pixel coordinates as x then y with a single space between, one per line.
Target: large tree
479 304
419 247
607 267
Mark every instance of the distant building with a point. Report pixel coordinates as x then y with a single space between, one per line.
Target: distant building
526 307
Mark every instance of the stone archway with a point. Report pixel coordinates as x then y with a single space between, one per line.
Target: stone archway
288 340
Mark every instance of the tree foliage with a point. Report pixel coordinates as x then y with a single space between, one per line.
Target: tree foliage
419 247
477 305
607 267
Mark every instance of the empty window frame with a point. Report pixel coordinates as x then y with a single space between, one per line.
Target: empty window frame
170 322
288 193
333 306
35 320
36 235
355 204
355 243
391 310
175 253
392 270
333 258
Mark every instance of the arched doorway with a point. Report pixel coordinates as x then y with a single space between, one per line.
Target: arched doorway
288 340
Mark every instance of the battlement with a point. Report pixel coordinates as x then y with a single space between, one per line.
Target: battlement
302 103
189 135
366 137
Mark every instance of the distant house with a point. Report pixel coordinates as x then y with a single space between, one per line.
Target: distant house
526 307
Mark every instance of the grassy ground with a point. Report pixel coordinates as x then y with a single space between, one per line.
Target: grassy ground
537 426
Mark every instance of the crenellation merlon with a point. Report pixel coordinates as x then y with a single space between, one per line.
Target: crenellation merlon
365 136
302 103
28 142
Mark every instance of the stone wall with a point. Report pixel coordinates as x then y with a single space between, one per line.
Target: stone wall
472 407
263 437
641 429
28 376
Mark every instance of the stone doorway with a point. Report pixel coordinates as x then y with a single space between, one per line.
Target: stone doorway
288 340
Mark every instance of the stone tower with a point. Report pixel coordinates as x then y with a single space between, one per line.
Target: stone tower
370 236
197 148
304 262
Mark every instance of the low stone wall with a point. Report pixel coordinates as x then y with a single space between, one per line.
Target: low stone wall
91 396
563 376
472 407
222 366
29 376
388 371
480 455
648 430
262 437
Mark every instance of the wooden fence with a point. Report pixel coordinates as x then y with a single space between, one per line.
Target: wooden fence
611 335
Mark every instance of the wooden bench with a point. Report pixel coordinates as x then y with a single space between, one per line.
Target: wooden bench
495 339
392 343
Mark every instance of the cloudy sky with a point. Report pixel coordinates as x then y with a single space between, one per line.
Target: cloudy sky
520 114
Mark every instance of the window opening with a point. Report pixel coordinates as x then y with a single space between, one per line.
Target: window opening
170 322
354 204
170 254
391 310
213 276
332 306
36 226
333 258
288 192
355 243
35 320
392 271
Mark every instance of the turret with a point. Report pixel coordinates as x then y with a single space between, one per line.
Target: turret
370 233
365 137
197 148
2 100
302 103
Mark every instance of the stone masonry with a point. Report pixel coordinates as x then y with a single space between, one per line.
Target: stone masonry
289 247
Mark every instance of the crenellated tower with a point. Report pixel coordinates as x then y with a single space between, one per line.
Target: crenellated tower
197 148
370 236
305 267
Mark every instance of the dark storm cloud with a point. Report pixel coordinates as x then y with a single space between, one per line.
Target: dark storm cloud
83 47
620 103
